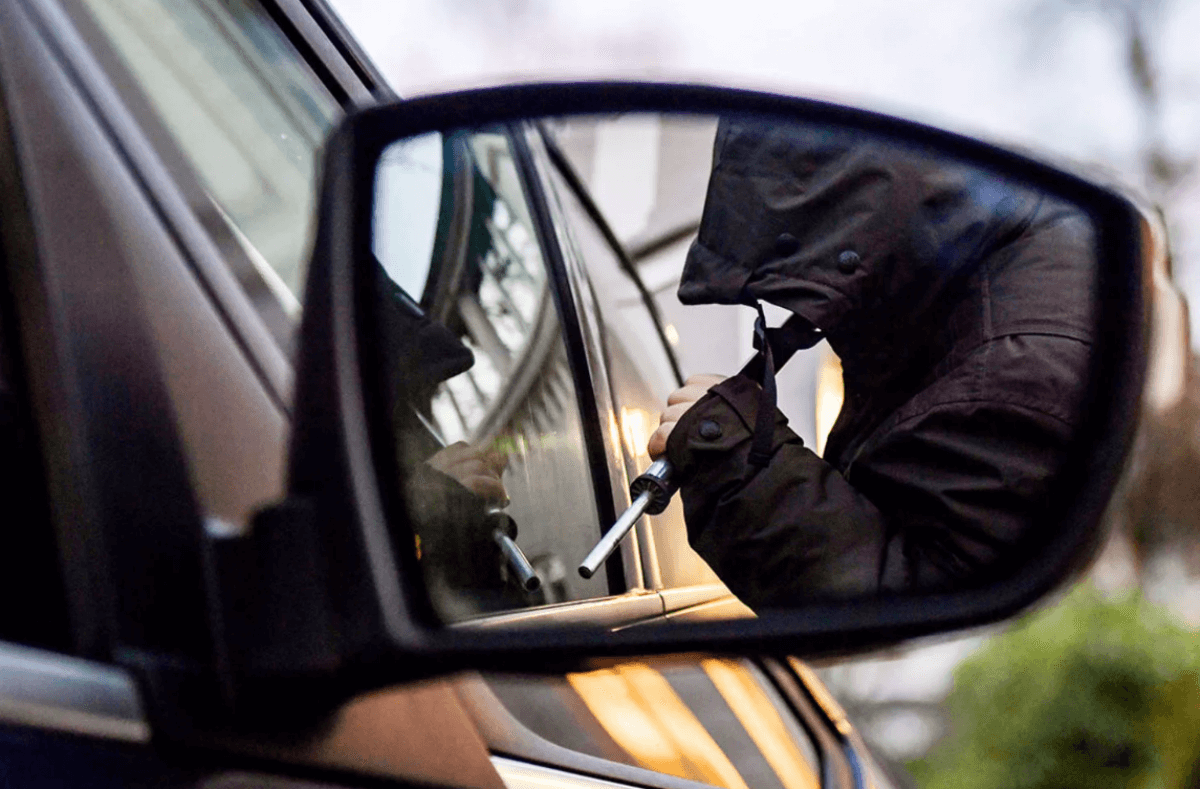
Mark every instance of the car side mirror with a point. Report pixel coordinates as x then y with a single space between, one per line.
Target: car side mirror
988 310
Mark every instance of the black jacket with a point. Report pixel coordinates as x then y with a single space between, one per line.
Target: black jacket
961 307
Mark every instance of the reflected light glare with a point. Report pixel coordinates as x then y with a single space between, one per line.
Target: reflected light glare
636 426
761 720
644 715
672 334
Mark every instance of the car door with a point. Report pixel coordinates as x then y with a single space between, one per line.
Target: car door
163 153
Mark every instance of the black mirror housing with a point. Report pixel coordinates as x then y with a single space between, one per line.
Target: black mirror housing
338 605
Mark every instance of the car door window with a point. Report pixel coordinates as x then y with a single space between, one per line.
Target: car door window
245 111
485 410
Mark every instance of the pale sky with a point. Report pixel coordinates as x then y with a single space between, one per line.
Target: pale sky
1046 74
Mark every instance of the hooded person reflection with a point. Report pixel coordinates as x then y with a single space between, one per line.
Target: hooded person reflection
961 307
453 493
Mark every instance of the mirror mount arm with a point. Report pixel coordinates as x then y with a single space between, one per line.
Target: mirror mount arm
276 618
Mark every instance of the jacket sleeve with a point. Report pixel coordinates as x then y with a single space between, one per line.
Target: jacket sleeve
792 531
946 497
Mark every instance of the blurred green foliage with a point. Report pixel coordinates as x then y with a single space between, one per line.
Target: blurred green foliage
1093 692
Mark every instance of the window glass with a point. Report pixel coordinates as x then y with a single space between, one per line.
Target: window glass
244 109
485 409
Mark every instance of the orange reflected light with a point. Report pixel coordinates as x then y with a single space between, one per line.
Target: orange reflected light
636 427
644 715
762 721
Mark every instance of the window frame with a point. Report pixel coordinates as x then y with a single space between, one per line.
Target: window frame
566 301
643 533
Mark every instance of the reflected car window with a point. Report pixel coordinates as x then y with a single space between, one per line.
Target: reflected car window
244 109
484 406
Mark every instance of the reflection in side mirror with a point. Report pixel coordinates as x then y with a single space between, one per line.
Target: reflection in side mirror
961 303
482 399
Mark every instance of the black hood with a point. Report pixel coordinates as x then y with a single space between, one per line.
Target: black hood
871 242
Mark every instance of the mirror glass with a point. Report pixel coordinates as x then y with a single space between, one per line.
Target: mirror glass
564 301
